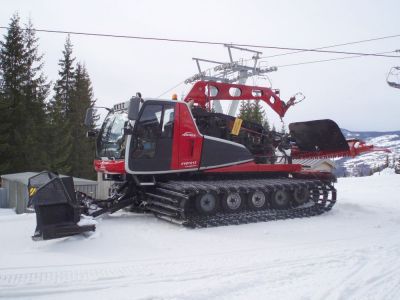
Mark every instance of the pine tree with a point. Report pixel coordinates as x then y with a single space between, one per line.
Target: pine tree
82 148
23 90
12 56
253 112
244 110
59 109
257 112
266 125
60 140
5 128
64 86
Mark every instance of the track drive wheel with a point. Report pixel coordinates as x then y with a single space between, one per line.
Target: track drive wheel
301 195
280 199
206 204
232 202
257 200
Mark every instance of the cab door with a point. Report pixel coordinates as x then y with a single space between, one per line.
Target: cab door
150 148
188 142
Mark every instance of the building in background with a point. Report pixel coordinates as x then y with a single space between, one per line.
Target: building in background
325 165
14 188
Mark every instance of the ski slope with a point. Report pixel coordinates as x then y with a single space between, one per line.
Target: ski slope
351 252
364 163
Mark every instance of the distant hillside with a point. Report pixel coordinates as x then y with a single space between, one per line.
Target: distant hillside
367 163
367 134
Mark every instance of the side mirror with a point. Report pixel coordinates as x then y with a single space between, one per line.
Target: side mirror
133 110
89 117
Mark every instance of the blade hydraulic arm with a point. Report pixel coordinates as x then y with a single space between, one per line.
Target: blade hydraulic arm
356 147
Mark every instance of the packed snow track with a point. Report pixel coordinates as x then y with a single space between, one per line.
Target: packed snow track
350 252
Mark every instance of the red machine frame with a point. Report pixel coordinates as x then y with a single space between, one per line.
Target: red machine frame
203 92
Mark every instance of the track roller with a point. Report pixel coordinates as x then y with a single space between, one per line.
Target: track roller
207 203
257 200
280 199
301 195
232 202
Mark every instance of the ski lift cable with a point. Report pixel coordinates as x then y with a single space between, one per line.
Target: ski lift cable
297 50
339 45
170 89
204 42
326 60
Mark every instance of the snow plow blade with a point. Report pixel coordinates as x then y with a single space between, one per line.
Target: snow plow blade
56 207
324 139
318 136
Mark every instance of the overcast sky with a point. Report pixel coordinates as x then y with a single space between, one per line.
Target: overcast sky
352 92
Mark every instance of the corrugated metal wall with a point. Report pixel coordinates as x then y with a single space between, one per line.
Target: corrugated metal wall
3 198
103 187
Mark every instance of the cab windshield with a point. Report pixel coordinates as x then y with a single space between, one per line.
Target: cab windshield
111 142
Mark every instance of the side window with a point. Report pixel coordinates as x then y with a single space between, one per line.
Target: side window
168 122
147 131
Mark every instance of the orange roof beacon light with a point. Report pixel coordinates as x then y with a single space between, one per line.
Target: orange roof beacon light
174 96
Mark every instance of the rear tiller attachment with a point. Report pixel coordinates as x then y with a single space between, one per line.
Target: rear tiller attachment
59 207
56 207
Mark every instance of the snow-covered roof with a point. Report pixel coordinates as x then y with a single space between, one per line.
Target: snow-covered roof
24 177
19 177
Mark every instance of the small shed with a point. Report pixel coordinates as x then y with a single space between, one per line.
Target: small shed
16 187
325 165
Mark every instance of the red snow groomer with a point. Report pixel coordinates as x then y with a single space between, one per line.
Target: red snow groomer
189 165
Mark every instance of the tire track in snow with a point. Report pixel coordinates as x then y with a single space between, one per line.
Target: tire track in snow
371 278
234 272
16 283
379 279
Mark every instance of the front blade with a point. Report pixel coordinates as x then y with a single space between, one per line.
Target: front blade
318 135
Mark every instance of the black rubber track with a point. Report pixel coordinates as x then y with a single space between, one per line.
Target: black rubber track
173 200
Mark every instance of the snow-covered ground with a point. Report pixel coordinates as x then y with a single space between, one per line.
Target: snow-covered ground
351 252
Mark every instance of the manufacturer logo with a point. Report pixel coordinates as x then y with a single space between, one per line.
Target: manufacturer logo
189 134
189 164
